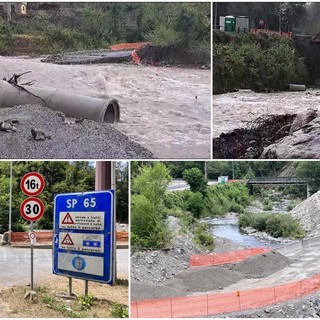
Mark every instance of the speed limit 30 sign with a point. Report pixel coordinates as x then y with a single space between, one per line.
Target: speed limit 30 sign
32 184
32 209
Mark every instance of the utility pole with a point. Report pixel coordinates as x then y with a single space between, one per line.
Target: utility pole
232 170
9 16
10 204
215 15
205 170
280 17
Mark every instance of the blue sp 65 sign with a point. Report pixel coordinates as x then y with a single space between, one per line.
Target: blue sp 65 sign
84 236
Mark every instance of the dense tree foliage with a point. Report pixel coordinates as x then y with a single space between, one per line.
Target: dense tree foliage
148 224
60 177
94 25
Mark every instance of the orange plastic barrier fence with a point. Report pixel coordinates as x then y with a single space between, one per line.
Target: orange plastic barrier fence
128 46
45 236
213 259
135 58
210 304
277 33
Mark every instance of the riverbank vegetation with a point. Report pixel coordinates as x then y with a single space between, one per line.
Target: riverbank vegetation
262 63
277 225
54 27
151 204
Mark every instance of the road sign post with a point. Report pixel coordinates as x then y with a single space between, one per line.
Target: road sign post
32 184
32 209
84 237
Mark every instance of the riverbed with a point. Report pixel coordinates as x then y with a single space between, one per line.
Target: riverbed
165 109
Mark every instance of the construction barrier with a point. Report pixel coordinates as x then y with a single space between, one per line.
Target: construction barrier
43 236
128 46
46 236
211 304
266 31
213 259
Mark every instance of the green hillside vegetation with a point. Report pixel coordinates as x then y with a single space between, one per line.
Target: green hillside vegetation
262 63
76 26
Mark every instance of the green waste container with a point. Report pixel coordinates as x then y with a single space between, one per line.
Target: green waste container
230 23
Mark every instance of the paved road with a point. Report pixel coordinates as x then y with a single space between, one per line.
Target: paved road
180 184
15 264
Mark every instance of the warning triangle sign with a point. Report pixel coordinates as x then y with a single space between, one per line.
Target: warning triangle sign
67 219
67 240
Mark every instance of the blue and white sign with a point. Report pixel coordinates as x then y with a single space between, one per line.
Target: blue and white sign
84 236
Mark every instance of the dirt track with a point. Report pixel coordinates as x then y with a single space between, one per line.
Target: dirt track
159 108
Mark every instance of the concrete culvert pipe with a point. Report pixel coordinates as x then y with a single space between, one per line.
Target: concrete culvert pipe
297 87
72 105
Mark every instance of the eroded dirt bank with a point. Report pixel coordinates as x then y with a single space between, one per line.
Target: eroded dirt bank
274 126
166 110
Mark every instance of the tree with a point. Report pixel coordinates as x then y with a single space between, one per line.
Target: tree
148 226
195 180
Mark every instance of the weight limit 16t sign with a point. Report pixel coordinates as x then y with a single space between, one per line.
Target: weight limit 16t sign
32 184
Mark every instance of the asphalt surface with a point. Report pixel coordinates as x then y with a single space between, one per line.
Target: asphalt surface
15 265
180 184
90 57
85 140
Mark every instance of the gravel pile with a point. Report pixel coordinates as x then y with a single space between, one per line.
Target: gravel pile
306 307
262 265
308 212
206 279
85 140
144 291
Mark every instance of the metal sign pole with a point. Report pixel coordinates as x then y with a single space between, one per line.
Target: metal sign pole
31 246
70 287
86 288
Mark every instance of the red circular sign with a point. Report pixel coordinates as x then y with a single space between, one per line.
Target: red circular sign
32 184
32 209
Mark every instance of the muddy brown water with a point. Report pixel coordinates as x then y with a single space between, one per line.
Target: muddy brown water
237 109
166 110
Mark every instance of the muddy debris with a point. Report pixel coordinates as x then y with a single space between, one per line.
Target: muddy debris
287 136
250 142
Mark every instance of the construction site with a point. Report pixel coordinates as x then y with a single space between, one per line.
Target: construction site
249 273
72 89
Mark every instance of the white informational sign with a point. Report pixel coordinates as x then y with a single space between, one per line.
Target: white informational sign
82 220
32 237
85 242
80 263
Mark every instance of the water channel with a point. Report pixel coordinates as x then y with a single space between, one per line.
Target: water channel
228 228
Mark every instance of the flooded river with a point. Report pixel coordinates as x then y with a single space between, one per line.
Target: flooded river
236 109
166 110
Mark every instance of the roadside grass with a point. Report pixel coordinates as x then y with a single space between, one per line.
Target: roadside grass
51 300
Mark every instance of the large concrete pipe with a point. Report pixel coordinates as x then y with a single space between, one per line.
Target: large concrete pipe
72 105
297 87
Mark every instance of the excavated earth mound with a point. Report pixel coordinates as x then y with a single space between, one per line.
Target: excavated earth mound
261 266
84 140
206 279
